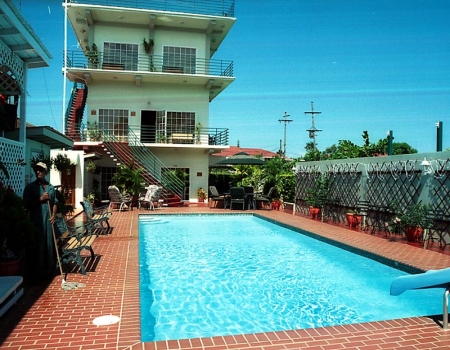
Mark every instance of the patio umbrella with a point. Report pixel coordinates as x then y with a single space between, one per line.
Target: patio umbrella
241 158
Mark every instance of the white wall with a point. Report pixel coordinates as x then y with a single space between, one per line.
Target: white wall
148 97
195 160
78 159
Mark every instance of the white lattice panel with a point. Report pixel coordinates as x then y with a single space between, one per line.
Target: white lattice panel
15 67
10 153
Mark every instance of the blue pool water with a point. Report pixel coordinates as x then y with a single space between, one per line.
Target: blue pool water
209 275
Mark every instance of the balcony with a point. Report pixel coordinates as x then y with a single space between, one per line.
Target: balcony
148 64
214 75
223 8
152 136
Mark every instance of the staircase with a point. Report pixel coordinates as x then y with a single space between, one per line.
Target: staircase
154 171
75 110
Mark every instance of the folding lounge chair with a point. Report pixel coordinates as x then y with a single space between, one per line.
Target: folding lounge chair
118 200
237 196
151 197
98 218
215 197
71 241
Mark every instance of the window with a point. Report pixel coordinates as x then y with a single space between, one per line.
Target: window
180 122
179 59
176 126
120 56
114 121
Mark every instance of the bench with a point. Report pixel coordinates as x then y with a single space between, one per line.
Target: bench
113 66
71 241
98 218
181 138
172 69
9 292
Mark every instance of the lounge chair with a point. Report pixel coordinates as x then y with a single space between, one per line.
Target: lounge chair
151 197
73 240
117 200
98 217
215 197
265 199
237 196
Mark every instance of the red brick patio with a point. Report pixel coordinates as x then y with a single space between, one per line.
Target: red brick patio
47 317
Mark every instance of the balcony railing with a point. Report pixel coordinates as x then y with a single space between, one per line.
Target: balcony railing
147 63
205 7
153 135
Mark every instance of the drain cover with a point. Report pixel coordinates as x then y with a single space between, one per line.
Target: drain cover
106 320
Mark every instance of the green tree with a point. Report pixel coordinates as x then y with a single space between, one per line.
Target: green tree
402 148
347 149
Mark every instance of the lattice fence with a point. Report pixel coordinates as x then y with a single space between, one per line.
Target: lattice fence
379 182
11 155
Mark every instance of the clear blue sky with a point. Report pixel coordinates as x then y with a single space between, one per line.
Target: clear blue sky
377 66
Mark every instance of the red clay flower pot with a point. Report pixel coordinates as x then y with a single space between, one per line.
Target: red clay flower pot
314 212
413 233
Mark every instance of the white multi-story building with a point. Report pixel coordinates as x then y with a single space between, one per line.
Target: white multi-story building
143 81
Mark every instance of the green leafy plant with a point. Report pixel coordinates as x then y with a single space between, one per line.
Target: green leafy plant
415 215
148 45
92 55
62 162
91 167
41 157
198 129
318 195
128 178
161 137
94 132
201 193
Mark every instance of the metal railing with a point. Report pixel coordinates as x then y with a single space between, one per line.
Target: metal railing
223 8
151 134
155 171
147 63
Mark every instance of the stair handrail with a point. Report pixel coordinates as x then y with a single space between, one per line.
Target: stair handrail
169 180
153 165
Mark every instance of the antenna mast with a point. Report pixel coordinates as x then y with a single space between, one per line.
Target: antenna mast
285 121
313 130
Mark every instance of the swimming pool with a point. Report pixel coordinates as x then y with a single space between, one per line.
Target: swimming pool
209 275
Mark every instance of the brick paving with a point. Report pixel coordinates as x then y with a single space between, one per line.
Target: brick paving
47 317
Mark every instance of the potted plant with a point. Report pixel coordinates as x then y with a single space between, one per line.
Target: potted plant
161 137
198 129
91 167
201 195
62 163
41 158
92 56
317 196
412 221
148 46
276 199
17 233
128 178
353 218
94 132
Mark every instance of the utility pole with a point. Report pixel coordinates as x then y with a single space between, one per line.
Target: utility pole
285 121
313 130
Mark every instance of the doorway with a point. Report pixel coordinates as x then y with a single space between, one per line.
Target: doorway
148 126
